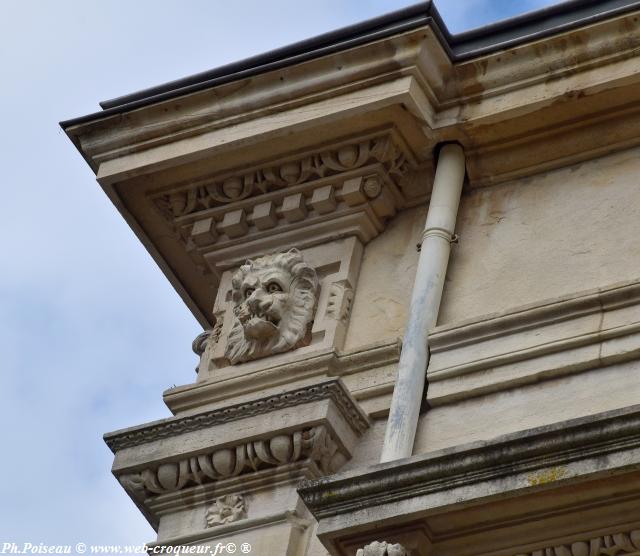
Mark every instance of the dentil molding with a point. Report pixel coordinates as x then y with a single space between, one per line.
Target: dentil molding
616 544
349 188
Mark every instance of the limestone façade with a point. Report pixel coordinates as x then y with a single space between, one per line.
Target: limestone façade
286 209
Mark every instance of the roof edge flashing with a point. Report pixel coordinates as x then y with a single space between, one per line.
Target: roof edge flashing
534 25
463 46
363 29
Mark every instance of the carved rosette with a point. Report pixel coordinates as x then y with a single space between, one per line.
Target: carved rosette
314 444
226 509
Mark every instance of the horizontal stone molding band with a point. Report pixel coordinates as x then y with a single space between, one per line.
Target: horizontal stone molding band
332 389
527 453
540 341
208 194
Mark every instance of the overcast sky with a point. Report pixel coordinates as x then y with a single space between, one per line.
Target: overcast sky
91 332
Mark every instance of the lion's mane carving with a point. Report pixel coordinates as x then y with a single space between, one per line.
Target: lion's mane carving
274 298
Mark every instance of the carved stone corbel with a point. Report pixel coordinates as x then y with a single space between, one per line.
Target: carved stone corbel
311 443
218 455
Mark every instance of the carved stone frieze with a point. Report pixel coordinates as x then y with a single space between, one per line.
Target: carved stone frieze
605 545
349 189
274 297
226 509
233 187
382 549
312 443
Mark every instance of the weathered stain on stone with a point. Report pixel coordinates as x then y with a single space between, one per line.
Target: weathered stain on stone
469 77
547 476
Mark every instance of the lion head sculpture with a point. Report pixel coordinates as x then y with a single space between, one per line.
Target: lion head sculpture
274 298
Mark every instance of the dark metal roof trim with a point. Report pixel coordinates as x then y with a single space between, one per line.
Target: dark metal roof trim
463 46
339 39
328 43
536 25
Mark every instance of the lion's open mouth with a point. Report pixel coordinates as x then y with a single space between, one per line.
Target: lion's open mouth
273 319
261 327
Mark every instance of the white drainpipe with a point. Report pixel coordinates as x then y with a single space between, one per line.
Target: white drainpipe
425 302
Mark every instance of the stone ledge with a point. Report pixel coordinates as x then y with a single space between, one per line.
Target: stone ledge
332 389
228 383
531 450
581 454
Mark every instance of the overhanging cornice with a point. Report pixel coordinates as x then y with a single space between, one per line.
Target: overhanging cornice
463 46
447 495
528 451
553 88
